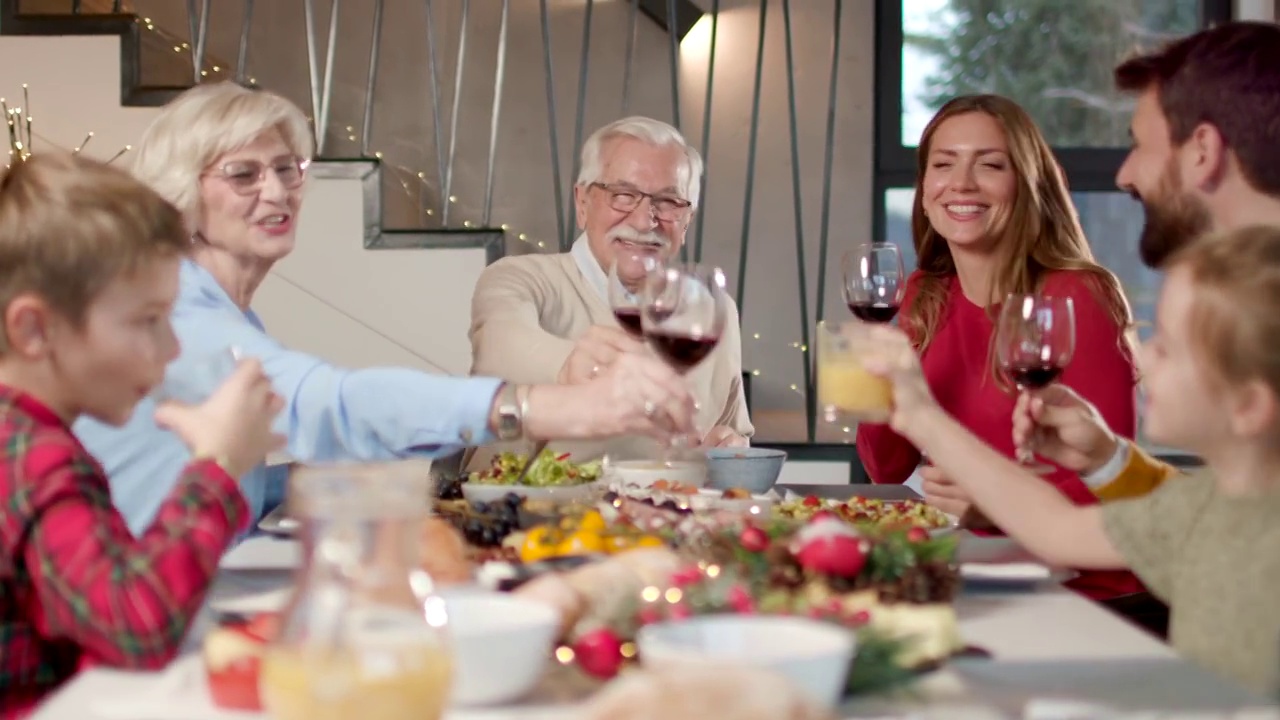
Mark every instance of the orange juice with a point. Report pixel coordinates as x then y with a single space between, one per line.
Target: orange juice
847 392
394 681
845 389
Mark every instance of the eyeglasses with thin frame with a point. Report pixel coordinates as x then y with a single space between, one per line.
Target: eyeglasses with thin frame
246 176
626 199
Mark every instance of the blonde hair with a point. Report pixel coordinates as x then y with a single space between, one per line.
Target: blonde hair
205 123
653 132
1040 234
70 225
1233 325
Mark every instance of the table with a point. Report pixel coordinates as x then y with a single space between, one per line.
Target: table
1044 641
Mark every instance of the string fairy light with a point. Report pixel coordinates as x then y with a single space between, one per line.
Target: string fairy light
21 126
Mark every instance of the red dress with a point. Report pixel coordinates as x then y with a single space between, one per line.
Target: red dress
956 365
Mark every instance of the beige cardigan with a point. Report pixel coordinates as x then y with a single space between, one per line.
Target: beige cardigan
528 310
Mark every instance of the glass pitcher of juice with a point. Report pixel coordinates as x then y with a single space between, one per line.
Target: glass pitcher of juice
363 635
847 393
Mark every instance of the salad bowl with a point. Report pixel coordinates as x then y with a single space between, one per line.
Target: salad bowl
552 476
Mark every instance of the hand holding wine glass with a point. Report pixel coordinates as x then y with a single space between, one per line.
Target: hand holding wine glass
874 281
1035 341
685 309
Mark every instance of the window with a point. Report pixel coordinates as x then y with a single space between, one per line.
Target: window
1054 58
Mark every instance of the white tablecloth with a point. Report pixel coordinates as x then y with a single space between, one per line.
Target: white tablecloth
1023 629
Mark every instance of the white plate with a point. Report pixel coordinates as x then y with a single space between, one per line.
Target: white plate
644 473
714 500
479 492
1012 573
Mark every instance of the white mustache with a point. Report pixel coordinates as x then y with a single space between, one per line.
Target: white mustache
632 235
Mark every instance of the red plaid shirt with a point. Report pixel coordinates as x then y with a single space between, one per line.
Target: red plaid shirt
76 588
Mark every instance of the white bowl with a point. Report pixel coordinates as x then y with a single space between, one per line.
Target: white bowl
814 655
644 473
501 644
481 492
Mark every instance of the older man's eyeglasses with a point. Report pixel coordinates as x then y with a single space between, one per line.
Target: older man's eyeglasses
627 199
246 176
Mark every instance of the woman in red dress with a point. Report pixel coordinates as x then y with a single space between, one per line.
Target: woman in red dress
992 216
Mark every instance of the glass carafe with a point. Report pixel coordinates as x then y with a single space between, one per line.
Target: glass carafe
364 634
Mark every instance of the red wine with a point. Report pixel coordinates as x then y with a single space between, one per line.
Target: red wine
1034 376
682 351
876 313
629 318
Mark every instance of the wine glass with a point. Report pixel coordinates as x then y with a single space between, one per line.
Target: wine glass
1035 339
684 313
685 308
874 281
626 288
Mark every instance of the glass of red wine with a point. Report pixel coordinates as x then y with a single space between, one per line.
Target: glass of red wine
874 281
1035 340
685 309
626 288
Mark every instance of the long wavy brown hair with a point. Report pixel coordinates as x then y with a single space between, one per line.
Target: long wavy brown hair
1041 234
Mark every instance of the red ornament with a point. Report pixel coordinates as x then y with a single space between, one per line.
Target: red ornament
599 653
860 618
753 539
812 501
824 514
740 600
649 616
831 548
687 576
917 534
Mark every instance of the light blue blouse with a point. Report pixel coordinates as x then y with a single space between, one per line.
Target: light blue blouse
330 413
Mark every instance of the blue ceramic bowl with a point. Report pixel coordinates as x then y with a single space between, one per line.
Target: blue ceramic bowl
750 468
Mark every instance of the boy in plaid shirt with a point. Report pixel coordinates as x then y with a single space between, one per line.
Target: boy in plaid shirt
88 272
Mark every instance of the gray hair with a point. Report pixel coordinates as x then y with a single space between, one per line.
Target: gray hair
654 132
203 124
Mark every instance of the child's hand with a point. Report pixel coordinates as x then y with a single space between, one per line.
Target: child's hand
894 358
234 425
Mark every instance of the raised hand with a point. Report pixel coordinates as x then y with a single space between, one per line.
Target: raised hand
234 425
595 352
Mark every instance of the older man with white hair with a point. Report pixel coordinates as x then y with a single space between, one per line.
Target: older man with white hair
547 317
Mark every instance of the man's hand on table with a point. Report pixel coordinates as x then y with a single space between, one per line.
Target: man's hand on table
1063 428
594 352
723 436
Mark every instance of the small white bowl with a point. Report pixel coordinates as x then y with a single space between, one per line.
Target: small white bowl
644 473
501 645
814 655
481 492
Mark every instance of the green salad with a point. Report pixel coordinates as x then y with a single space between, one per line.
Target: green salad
549 469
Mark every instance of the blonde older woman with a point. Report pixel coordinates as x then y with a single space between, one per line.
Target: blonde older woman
234 161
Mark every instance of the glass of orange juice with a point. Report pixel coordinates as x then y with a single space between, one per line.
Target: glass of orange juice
847 393
363 635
